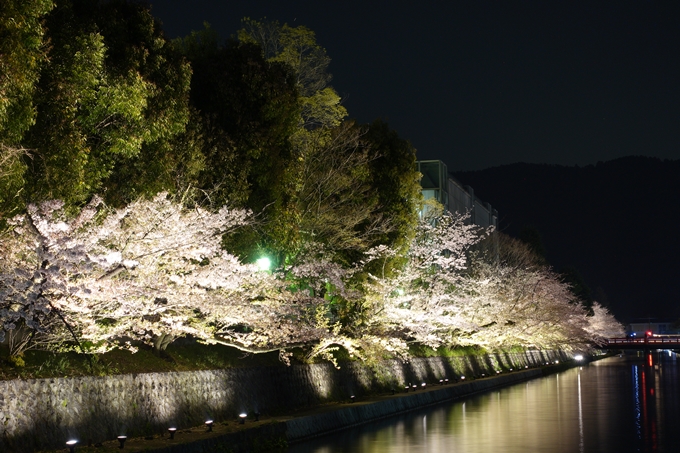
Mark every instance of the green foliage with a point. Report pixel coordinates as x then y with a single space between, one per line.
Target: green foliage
17 361
112 89
247 108
396 181
22 53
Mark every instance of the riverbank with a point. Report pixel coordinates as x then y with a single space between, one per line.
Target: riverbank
42 414
275 433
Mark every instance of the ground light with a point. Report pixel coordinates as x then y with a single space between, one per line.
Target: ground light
121 440
209 424
242 418
578 357
172 432
71 444
257 416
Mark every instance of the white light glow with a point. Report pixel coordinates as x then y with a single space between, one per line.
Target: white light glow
263 263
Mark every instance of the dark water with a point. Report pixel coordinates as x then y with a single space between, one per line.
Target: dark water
617 405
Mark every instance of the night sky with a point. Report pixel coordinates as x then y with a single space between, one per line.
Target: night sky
479 84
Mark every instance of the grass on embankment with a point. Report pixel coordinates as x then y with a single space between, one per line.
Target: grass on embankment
179 356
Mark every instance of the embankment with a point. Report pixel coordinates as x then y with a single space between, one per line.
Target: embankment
42 414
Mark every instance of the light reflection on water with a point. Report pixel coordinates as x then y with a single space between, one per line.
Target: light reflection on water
618 405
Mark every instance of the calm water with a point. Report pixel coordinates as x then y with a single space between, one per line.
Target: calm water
618 405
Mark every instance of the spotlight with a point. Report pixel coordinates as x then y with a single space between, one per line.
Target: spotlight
209 424
242 418
71 444
351 399
121 440
172 432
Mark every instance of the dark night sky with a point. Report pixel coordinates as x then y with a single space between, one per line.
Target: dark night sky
479 84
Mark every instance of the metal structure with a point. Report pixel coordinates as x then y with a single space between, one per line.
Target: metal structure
647 342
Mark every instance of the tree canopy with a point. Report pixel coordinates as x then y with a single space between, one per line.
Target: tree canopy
141 179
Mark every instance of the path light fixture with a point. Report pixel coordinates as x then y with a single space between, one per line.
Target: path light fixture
242 418
462 378
415 387
406 388
556 362
446 381
441 382
351 399
578 357
423 385
172 432
257 416
209 424
121 440
71 444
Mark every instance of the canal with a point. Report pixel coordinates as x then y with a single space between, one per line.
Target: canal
628 403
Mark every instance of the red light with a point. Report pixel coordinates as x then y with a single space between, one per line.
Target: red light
649 333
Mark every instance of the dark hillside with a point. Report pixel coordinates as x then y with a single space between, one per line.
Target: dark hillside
616 222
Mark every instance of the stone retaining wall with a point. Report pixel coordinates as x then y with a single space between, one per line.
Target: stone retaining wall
40 414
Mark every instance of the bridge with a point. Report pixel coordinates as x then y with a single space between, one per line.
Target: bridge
648 342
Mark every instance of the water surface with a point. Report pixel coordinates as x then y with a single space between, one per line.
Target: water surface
621 404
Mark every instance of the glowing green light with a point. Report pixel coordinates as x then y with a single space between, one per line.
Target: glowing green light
263 263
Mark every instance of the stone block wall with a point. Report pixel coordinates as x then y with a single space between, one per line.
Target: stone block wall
40 414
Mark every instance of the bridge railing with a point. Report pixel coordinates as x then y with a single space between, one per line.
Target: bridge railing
644 341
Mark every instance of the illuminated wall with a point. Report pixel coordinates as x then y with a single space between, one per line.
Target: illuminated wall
40 414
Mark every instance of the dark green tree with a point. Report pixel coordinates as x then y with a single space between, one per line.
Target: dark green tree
112 88
396 182
22 52
248 111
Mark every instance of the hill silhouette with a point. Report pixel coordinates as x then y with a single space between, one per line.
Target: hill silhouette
615 222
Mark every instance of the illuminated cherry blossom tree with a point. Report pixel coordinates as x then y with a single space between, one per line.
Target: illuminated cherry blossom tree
156 270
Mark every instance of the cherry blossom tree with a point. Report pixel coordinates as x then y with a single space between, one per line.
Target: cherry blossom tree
150 272
602 325
423 301
156 270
